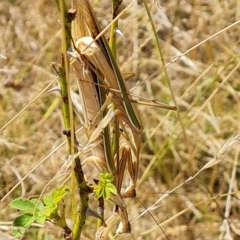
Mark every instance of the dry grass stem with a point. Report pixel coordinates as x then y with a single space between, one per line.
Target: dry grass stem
190 188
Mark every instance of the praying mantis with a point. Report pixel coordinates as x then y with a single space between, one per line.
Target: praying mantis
95 64
110 118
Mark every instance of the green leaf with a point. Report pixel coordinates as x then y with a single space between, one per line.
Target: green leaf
24 221
50 212
108 177
39 211
106 193
23 204
40 217
98 191
59 193
48 201
39 206
105 187
51 201
111 188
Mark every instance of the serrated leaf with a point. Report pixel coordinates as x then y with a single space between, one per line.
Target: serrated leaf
106 193
101 175
39 206
101 181
48 201
59 193
23 204
39 211
98 190
40 217
19 232
108 177
25 220
111 188
105 187
64 188
50 212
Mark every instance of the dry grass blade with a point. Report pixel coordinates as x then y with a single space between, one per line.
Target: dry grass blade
200 45
222 152
84 23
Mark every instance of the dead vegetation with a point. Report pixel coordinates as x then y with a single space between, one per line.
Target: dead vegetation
205 82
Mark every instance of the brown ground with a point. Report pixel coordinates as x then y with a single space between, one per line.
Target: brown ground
205 83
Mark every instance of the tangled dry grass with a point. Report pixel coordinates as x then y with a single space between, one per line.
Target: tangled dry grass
205 83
